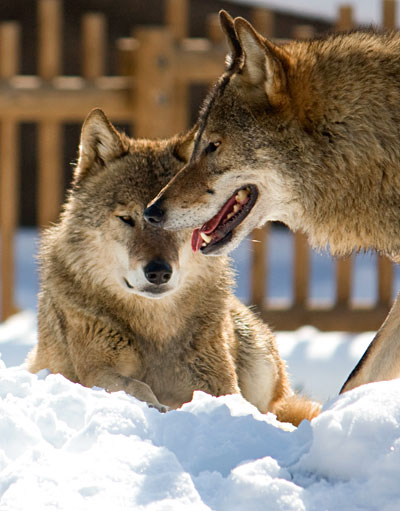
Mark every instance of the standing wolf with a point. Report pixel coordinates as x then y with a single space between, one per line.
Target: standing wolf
126 306
306 133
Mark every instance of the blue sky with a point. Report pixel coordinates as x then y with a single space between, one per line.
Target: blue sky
365 11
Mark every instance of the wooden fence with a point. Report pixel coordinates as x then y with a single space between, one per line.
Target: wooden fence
158 65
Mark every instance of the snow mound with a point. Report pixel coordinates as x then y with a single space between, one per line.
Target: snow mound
63 446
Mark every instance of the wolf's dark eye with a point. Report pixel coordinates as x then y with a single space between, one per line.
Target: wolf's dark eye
127 220
212 146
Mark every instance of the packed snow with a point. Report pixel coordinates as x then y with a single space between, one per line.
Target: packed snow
63 446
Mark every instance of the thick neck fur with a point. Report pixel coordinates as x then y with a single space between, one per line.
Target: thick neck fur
341 152
159 320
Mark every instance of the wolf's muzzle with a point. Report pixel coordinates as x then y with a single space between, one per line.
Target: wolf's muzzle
158 272
154 214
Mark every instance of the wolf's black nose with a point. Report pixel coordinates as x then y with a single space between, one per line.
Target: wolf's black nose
154 214
158 272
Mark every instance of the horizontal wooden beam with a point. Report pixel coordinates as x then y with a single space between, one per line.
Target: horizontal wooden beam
337 318
67 98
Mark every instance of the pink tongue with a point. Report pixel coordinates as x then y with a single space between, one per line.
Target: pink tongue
196 240
212 224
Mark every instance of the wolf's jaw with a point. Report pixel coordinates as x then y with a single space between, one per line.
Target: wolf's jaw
218 231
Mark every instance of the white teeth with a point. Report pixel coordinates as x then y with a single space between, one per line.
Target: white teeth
206 237
229 216
242 195
236 208
204 244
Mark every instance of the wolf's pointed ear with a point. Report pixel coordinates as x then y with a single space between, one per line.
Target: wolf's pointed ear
265 63
228 27
184 145
100 143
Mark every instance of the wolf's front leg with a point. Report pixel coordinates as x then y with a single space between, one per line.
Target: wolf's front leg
110 380
381 361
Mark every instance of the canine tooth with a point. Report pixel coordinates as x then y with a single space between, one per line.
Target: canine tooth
206 237
241 195
204 244
236 208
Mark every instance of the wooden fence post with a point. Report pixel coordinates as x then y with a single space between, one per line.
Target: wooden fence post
301 271
154 94
177 18
389 14
343 281
9 172
93 45
345 18
385 281
49 132
258 267
264 21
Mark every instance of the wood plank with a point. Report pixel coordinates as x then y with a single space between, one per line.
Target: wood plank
301 269
345 18
69 105
177 18
93 45
50 172
337 319
389 8
264 21
344 269
9 49
9 178
385 281
258 267
49 50
154 94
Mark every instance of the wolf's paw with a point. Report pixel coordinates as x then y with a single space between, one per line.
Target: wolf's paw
158 406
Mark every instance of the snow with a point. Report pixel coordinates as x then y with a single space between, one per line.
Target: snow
63 446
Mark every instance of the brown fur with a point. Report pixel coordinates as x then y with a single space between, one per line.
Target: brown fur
102 323
315 125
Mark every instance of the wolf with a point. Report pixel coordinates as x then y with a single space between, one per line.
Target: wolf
306 133
127 306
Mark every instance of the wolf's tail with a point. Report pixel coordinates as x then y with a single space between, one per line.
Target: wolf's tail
295 408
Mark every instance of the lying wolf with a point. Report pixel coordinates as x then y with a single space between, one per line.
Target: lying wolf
306 133
127 306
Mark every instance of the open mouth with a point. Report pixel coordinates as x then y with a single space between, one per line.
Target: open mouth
218 231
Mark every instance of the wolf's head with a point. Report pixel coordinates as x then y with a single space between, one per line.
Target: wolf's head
109 243
297 133
224 185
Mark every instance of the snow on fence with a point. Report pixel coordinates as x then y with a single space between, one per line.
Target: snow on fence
158 64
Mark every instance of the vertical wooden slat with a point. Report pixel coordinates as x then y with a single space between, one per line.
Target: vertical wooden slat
385 281
8 211
93 45
264 21
345 18
258 267
9 197
301 269
389 14
50 172
177 18
9 49
214 32
49 24
49 132
154 93
343 281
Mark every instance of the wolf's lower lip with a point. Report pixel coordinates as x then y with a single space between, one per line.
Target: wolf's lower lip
220 227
